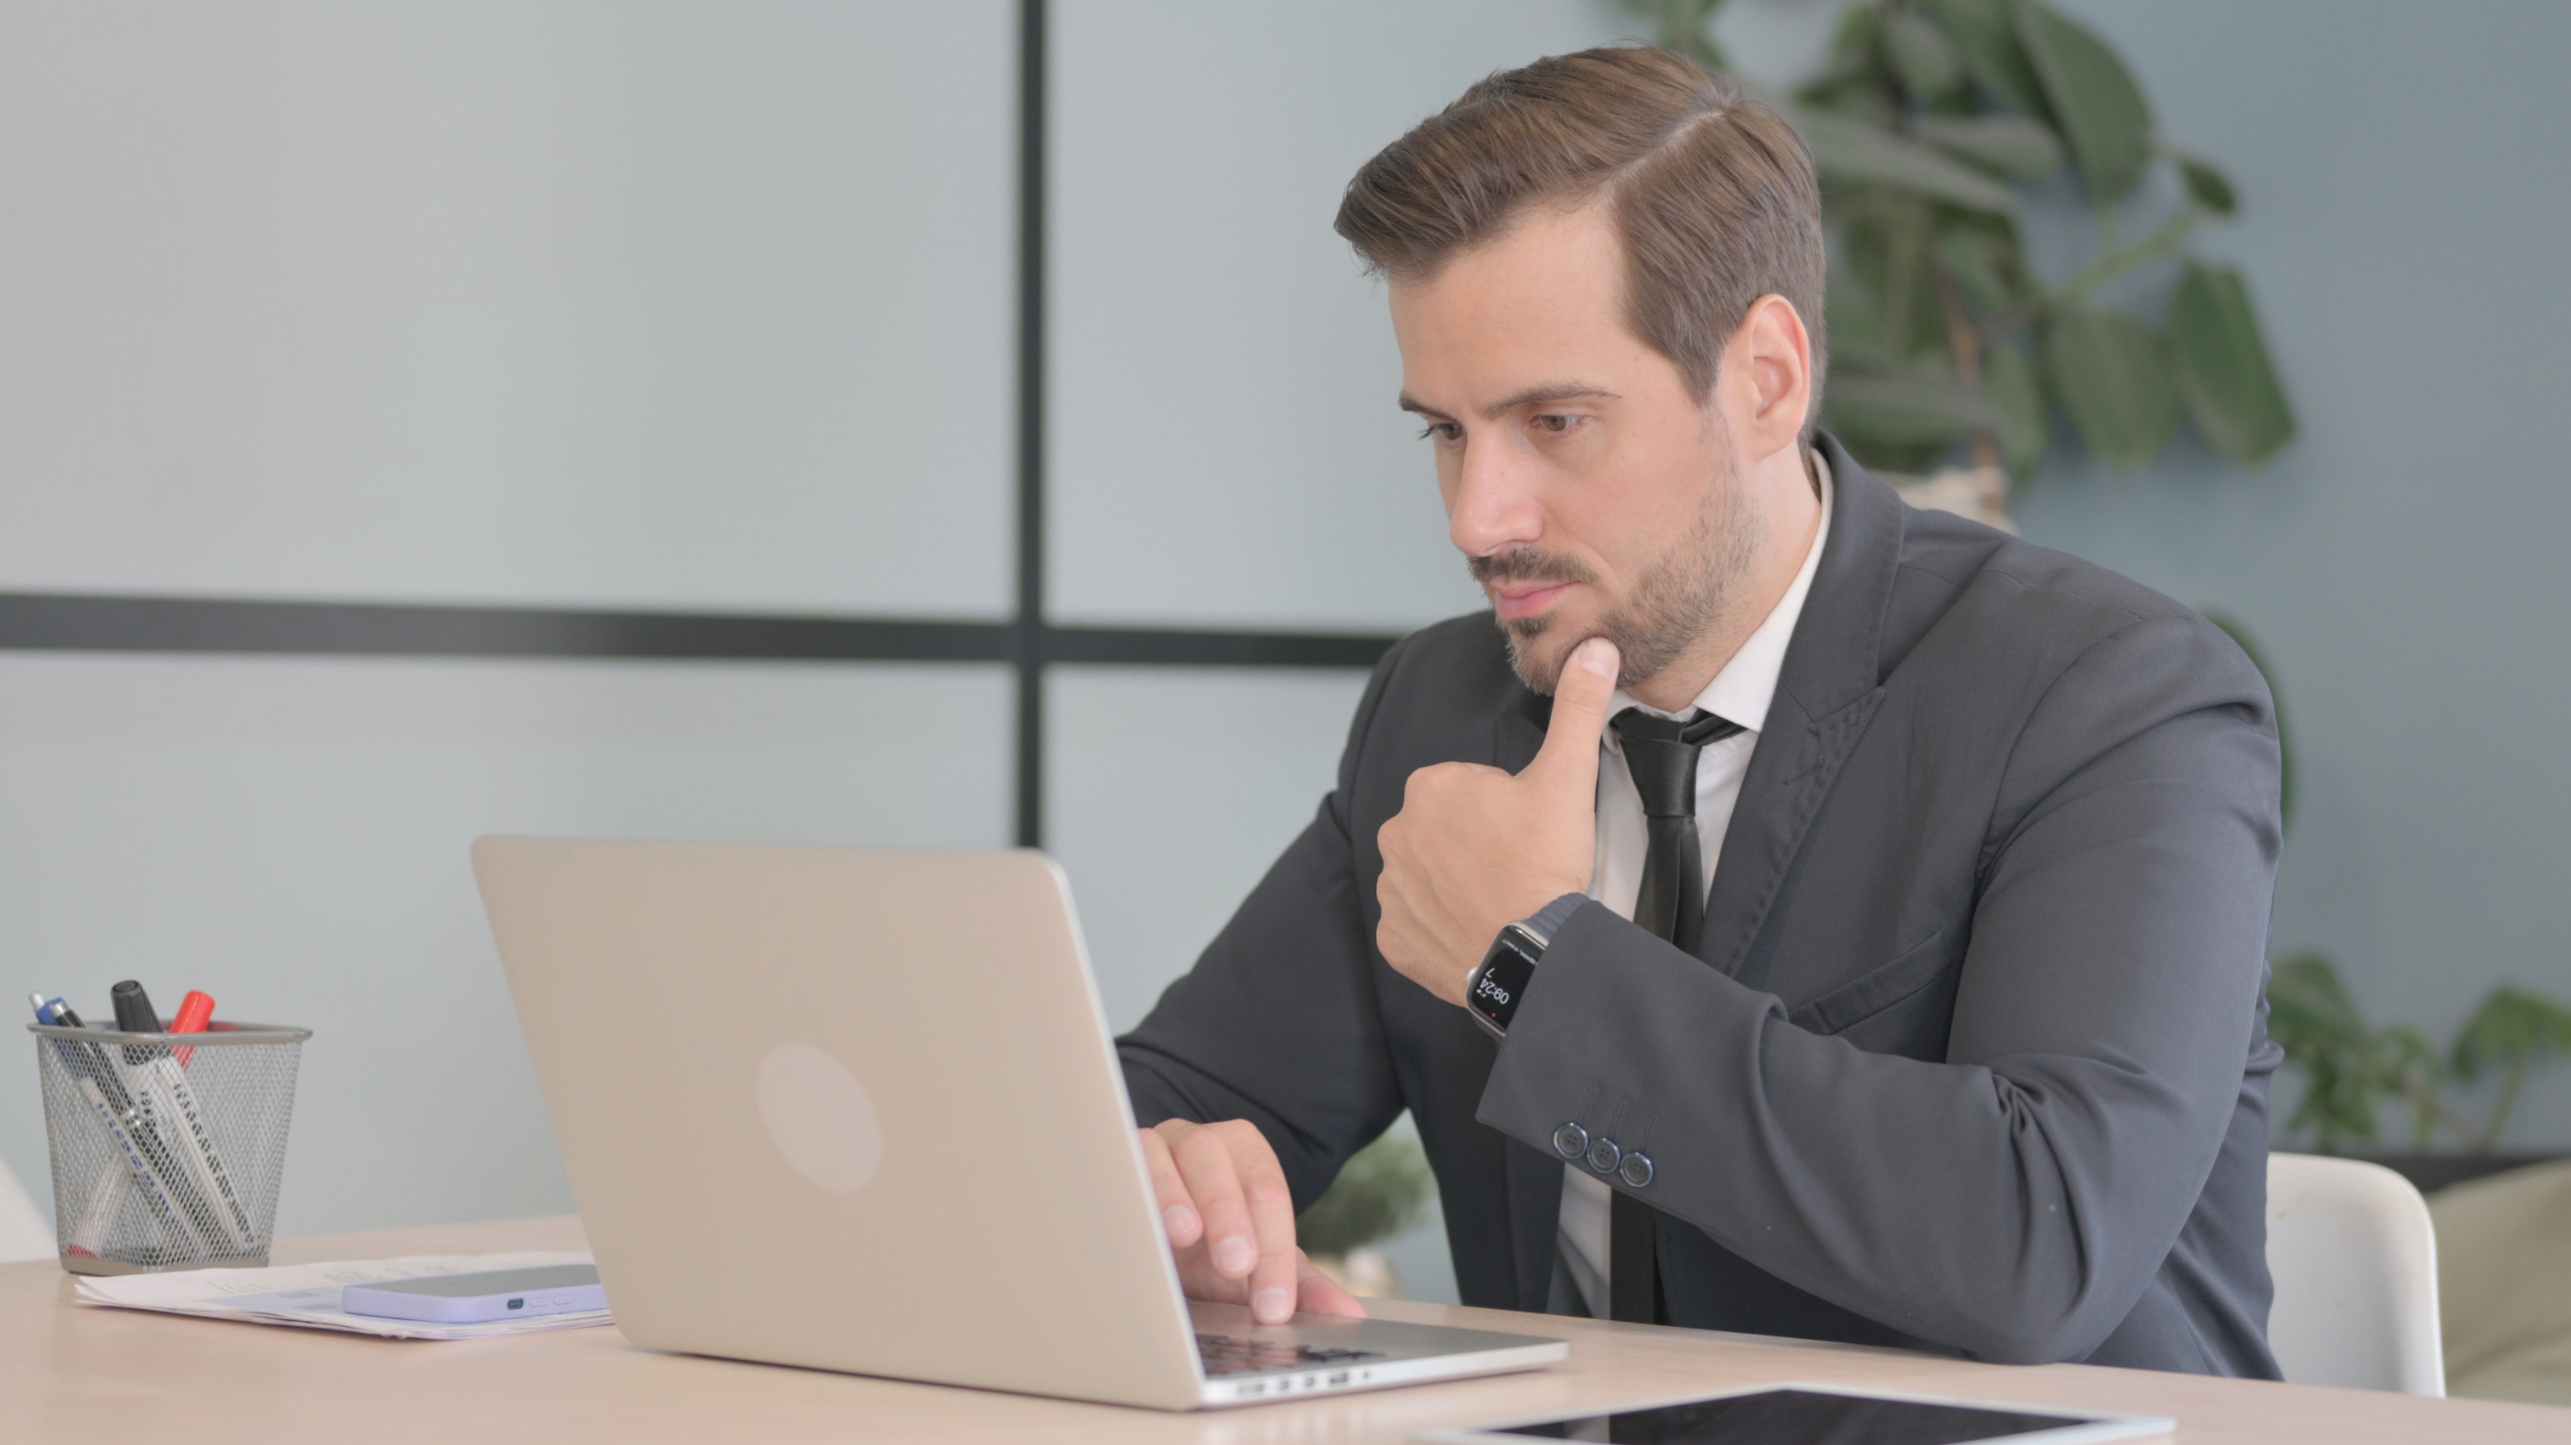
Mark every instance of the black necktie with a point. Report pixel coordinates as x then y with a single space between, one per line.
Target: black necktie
1661 754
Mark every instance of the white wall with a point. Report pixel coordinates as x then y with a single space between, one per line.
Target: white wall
562 301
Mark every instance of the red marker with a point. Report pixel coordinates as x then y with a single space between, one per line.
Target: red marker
195 1012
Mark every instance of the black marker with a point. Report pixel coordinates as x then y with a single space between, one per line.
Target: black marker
134 1013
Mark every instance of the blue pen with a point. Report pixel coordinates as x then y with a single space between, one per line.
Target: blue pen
100 1084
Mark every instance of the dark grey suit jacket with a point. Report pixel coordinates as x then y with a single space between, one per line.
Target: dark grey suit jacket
1974 1054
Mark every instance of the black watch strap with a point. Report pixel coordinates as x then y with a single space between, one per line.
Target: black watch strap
1494 989
1549 919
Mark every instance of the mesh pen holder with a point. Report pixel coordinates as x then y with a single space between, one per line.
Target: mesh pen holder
167 1148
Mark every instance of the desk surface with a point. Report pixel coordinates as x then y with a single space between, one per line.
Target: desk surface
78 1374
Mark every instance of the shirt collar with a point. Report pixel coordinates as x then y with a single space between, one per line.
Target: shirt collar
1747 684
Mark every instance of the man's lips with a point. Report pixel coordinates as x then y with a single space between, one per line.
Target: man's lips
1513 600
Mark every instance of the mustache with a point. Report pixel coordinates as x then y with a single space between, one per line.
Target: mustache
1528 564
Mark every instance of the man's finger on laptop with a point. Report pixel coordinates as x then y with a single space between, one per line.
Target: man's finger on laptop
1205 1154
1179 1218
1273 1284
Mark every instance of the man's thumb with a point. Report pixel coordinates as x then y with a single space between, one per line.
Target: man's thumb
1580 699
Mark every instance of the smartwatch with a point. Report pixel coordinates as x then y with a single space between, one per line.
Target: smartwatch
1499 983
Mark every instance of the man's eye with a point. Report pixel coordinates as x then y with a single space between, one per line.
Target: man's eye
1555 424
1445 431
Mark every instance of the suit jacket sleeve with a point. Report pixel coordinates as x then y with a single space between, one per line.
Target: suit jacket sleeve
1278 1022
2015 1199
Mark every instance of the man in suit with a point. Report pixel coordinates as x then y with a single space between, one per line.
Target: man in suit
1786 911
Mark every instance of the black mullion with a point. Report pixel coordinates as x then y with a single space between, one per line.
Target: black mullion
74 622
1029 625
1175 647
34 621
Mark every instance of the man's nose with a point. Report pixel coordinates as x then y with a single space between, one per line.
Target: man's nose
1493 507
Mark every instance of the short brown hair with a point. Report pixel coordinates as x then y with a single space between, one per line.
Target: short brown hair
1713 194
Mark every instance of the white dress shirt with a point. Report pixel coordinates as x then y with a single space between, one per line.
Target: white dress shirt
1740 692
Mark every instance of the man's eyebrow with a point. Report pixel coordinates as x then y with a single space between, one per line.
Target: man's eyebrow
1549 392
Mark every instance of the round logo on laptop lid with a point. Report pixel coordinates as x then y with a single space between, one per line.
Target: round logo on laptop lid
819 1118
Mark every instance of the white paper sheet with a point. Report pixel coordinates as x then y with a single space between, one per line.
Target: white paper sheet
307 1295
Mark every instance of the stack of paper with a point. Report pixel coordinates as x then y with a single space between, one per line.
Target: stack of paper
307 1295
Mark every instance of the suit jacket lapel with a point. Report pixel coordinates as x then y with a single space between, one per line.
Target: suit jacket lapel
1825 694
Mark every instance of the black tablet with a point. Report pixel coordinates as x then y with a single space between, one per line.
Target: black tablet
1817 1415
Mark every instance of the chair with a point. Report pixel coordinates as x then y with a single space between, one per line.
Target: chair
2504 1283
23 1231
2354 1258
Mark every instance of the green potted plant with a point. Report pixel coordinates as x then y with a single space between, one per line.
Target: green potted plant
2352 1071
1934 125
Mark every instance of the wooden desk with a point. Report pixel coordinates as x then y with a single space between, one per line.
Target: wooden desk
81 1376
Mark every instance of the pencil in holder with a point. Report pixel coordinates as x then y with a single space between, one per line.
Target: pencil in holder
167 1149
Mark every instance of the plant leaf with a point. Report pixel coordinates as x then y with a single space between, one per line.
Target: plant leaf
1856 321
2008 378
2010 144
1848 150
2112 373
1863 101
2406 1063
2512 1026
1855 37
1979 31
1906 408
2312 1018
1965 254
2209 188
1919 54
2230 387
2305 996
1684 26
2093 97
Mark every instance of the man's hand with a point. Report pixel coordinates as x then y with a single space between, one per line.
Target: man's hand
1474 849
1230 1221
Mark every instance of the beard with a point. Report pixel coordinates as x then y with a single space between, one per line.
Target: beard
1677 598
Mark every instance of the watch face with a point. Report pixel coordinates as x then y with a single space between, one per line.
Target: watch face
1501 981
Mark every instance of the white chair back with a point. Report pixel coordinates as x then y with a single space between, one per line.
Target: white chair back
2354 1258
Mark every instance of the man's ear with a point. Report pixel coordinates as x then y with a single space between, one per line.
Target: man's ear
1766 380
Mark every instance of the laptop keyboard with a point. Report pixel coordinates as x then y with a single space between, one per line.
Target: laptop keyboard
1225 1355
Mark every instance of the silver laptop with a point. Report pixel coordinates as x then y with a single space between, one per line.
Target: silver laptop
858 1110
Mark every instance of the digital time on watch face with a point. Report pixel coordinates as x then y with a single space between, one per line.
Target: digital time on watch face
1502 979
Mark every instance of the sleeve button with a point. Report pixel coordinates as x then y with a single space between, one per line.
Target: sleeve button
1571 1141
1636 1170
1603 1155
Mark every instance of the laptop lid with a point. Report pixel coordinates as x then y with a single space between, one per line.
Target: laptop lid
821 1107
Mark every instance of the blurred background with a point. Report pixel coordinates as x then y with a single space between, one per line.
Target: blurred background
552 324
